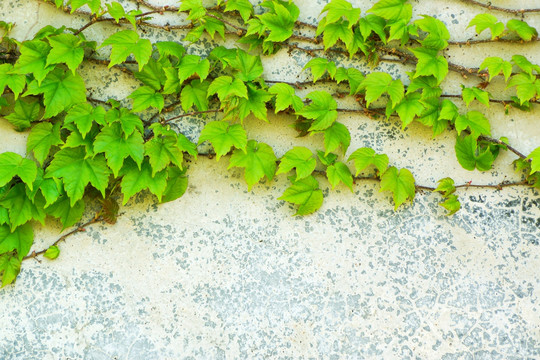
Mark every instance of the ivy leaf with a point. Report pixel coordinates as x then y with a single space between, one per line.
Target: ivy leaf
409 108
392 9
127 42
400 183
430 64
300 158
116 11
116 147
68 214
61 90
335 136
94 5
135 180
52 252
129 121
451 204
24 113
446 187
337 31
161 151
432 116
487 21
223 137
258 160
249 67
399 30
306 193
170 48
12 164
372 23
524 31
534 157
378 83
177 184
338 9
225 86
145 97
192 64
195 93
14 81
328 159
280 23
10 266
244 8
323 109
365 157
525 64
66 48
77 171
353 76
470 156
21 209
42 137
20 239
526 86
469 94
449 110
495 66
319 66
152 74
285 97
33 60
339 172
438 34
194 7
428 85
172 82
255 104
84 115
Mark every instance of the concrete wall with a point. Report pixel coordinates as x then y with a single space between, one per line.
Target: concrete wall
223 273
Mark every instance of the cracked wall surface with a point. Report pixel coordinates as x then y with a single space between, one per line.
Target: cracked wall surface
226 273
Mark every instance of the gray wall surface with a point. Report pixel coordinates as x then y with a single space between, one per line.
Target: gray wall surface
226 273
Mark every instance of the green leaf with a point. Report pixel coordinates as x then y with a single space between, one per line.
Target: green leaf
400 183
319 66
52 252
487 21
469 94
300 158
161 151
428 85
244 8
94 5
306 193
61 90
335 136
534 157
249 67
438 34
280 24
258 160
195 93
68 214
255 104
392 9
172 82
446 187
338 9
84 115
470 156
152 74
527 86
127 42
338 31
328 159
475 121
12 164
225 86
365 157
42 138
170 48
449 110
135 180
495 66
129 121
67 49
20 207
224 136
339 172
33 60
192 64
10 266
378 83
24 113
145 97
194 7
116 147
14 81
75 139
409 108
20 239
322 109
432 116
116 11
399 30
372 23
285 97
523 29
176 184
77 171
353 76
525 65
430 64
451 204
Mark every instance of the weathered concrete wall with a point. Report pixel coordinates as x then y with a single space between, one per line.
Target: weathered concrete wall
227 273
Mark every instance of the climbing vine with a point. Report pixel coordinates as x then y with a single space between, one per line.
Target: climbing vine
81 148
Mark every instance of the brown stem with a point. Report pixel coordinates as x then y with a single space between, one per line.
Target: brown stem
191 114
497 8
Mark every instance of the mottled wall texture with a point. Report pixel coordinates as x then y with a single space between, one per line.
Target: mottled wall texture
226 273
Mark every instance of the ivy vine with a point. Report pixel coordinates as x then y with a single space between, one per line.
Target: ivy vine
81 148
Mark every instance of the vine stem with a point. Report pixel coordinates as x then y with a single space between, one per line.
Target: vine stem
101 19
497 8
80 228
